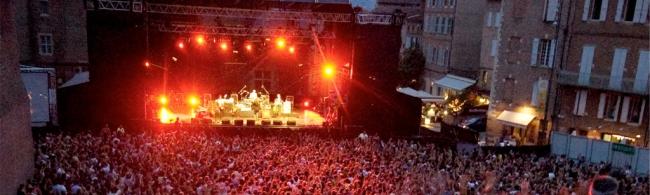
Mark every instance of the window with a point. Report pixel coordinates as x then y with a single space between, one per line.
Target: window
434 55
628 10
632 11
497 19
586 62
538 97
580 103
642 72
595 10
551 10
493 48
488 19
635 109
45 44
543 52
44 7
610 105
618 64
450 25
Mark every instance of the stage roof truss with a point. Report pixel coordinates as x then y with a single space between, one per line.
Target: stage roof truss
158 8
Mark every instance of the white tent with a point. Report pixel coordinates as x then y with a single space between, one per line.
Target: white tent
79 78
423 95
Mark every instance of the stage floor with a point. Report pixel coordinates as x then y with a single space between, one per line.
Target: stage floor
306 119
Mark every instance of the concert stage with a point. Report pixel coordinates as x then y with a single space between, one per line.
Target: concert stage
306 119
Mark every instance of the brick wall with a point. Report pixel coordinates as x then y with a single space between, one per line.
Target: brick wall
16 155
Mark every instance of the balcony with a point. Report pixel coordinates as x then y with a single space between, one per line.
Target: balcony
597 82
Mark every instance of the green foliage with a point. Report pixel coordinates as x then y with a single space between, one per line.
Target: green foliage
411 67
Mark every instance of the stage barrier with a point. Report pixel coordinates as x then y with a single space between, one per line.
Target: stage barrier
596 151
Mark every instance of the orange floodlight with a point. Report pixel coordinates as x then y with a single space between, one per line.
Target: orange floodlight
163 100
223 46
193 101
200 39
280 43
329 70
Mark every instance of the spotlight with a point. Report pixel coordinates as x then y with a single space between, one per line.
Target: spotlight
306 103
292 49
146 64
193 101
223 46
200 39
280 43
163 100
181 45
249 47
328 70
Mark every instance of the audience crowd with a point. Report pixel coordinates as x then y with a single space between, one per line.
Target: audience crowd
191 162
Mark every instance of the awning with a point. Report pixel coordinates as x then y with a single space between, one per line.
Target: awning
515 119
423 95
79 78
455 82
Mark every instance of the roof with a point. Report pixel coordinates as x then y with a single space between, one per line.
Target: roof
77 79
515 119
423 95
455 82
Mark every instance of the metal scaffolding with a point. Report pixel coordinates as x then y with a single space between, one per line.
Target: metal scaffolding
138 6
241 31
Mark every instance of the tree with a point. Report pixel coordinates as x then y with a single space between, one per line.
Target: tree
411 67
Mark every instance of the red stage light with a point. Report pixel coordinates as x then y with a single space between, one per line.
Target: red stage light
306 103
200 39
181 45
280 43
223 46
292 49
146 64
328 70
249 47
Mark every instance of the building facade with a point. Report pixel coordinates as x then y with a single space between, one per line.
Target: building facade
16 136
525 34
53 34
603 80
489 45
450 30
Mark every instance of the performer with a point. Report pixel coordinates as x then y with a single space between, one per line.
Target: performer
277 105
253 95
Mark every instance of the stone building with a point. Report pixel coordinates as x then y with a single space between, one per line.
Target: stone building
53 34
603 80
16 155
451 29
525 35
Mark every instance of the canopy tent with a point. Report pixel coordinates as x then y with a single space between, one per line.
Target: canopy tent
515 119
423 95
455 82
79 78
